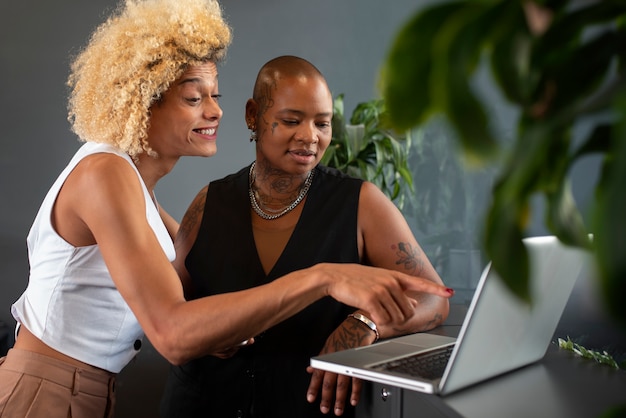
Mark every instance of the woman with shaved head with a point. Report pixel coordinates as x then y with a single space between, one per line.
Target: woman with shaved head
282 213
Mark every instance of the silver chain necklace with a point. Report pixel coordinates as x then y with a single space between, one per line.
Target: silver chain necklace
257 208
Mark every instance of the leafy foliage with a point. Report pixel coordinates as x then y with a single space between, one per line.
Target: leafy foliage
365 146
601 357
558 62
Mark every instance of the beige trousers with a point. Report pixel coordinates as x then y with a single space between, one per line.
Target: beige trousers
33 385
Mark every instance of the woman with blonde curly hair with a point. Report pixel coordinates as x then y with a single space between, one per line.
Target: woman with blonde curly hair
144 93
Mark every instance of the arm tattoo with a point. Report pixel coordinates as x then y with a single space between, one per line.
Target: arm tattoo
437 319
349 334
193 216
409 257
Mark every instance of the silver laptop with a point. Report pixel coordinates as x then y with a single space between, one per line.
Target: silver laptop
500 333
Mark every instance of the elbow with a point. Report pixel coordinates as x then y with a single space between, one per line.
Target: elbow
444 310
174 356
436 312
177 360
171 345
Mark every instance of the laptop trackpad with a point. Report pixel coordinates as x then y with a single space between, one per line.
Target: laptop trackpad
410 344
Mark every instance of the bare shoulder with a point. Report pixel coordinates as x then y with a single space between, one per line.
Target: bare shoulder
373 201
101 193
369 189
102 160
103 169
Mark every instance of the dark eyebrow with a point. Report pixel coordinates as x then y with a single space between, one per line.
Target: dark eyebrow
189 80
194 79
300 113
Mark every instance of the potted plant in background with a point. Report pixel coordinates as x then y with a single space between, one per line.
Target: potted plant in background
557 61
365 146
420 171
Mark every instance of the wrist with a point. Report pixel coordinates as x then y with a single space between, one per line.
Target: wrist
320 279
367 322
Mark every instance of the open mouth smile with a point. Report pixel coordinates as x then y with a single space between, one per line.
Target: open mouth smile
205 131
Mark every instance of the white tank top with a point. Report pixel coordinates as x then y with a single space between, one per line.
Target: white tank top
71 302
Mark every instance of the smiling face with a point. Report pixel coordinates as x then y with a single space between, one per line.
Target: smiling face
293 122
186 119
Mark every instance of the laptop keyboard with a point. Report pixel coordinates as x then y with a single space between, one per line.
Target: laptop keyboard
429 365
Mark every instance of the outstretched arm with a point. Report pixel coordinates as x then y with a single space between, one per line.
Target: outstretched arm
107 198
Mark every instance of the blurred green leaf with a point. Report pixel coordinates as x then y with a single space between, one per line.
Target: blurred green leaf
457 49
503 243
609 219
406 74
555 79
592 62
598 142
563 217
569 26
510 64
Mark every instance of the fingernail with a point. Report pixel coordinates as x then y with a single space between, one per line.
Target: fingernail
338 411
324 409
450 290
310 398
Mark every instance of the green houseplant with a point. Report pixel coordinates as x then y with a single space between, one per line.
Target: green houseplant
557 62
365 146
444 208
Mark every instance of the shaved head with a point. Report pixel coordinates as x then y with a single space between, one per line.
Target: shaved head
290 117
277 69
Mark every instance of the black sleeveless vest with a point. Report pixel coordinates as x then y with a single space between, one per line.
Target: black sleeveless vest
268 378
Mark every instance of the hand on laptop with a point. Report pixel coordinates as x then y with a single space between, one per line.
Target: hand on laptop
394 307
336 388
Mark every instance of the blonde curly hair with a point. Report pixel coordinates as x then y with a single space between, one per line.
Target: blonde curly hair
131 60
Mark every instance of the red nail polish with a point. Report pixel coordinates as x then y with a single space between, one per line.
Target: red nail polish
450 290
